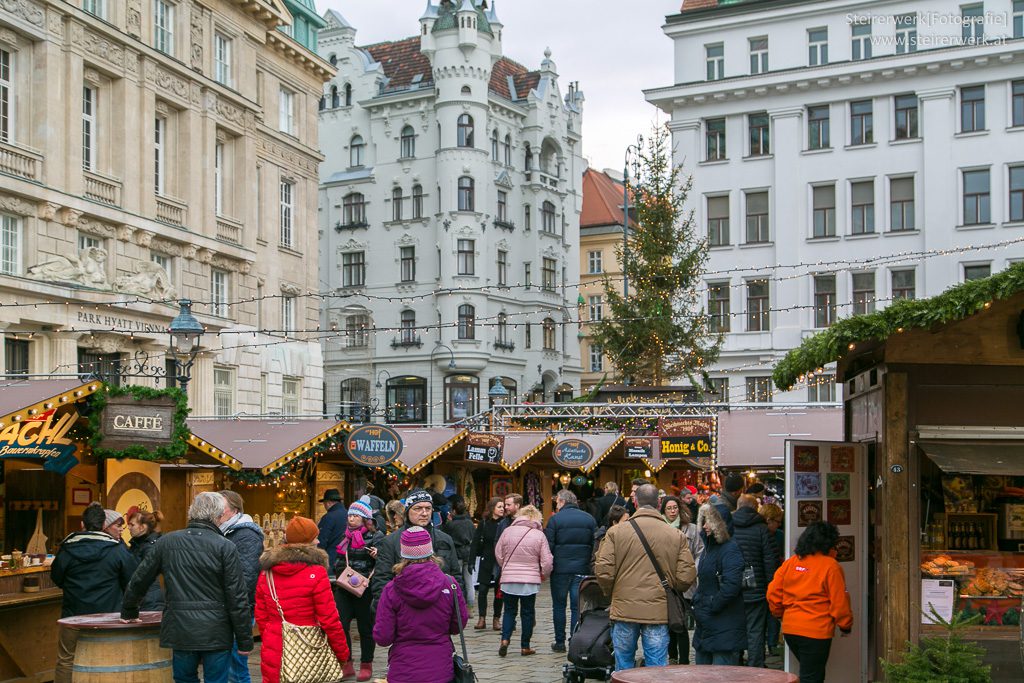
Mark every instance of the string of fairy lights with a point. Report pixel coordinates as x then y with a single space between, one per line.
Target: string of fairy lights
812 268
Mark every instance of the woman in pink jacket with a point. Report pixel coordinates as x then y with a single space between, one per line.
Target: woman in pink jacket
525 560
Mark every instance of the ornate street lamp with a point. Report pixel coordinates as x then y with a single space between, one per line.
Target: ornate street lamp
185 332
498 393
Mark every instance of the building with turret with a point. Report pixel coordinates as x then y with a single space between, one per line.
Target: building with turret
449 220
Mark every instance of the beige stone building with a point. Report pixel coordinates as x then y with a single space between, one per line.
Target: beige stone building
152 150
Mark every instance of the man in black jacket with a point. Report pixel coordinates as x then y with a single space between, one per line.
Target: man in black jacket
247 536
760 554
332 526
207 607
93 567
570 534
419 508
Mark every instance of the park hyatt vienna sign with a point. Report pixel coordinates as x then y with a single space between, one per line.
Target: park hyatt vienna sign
128 421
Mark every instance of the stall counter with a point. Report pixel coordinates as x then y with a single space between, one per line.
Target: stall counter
28 626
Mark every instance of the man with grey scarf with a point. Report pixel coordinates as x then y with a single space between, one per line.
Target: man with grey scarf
247 536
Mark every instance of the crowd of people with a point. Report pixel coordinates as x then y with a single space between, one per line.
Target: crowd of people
405 573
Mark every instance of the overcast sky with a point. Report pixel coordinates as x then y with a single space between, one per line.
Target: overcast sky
614 49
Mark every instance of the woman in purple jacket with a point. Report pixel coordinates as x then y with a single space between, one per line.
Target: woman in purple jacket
416 614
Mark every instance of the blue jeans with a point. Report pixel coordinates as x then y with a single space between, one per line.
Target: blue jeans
185 666
565 586
238 672
717 658
653 636
508 623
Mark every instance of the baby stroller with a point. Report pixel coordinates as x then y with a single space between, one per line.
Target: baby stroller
590 649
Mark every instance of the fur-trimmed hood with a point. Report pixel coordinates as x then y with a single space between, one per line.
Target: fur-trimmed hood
293 554
717 515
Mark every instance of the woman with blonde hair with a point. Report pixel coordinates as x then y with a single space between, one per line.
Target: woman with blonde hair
416 615
394 513
524 557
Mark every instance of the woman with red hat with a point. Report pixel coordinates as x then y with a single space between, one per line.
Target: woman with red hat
297 574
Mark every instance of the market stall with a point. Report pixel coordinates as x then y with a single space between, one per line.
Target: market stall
933 389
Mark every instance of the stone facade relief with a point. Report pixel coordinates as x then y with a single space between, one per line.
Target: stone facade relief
87 268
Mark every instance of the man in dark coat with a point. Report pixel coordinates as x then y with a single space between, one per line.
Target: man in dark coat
247 536
93 567
730 493
332 526
207 608
570 533
419 508
750 532
604 503
721 632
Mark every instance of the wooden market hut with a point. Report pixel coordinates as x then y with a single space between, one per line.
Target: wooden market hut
934 388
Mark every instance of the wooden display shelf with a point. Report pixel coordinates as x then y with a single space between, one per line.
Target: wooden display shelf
988 522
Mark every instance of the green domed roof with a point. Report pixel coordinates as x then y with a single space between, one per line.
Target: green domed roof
446 18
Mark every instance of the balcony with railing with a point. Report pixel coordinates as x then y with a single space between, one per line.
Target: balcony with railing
406 341
20 161
102 188
170 210
504 224
504 345
229 230
353 225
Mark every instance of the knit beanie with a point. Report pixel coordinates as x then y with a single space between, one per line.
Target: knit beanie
418 496
734 483
362 508
111 516
300 530
415 543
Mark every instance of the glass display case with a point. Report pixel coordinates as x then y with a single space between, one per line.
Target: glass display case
987 583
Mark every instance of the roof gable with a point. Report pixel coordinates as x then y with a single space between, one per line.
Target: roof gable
602 200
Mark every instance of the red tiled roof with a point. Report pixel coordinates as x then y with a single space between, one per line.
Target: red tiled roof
402 61
602 200
689 5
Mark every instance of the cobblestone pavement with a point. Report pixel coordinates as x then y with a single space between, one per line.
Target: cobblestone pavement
543 667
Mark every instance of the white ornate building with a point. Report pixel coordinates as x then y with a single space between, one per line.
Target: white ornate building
158 149
449 218
845 153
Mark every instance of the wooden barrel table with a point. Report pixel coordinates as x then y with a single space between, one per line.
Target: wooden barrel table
703 674
110 651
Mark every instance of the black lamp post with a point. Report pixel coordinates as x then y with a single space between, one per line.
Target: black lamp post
185 332
633 150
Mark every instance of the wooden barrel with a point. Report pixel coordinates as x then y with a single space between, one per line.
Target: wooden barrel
109 651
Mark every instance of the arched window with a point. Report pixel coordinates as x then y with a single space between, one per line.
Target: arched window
460 393
323 102
467 91
348 94
408 142
465 131
528 159
353 209
417 201
335 97
494 145
466 192
408 327
355 398
549 334
396 204
333 59
547 217
467 322
507 150
356 148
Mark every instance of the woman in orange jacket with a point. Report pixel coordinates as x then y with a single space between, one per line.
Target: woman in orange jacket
809 594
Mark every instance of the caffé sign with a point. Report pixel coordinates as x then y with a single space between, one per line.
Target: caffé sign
128 421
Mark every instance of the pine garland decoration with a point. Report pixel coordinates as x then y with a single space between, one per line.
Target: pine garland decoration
175 450
947 658
956 303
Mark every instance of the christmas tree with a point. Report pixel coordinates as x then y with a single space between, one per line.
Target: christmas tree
660 332
947 658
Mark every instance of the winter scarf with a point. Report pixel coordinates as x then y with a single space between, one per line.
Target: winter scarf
354 539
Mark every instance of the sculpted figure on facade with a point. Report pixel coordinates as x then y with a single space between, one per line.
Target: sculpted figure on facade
150 280
87 268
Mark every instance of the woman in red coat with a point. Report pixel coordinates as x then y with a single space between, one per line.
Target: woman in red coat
300 579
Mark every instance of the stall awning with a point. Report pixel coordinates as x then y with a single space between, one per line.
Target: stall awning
757 437
21 399
975 450
521 446
264 445
420 446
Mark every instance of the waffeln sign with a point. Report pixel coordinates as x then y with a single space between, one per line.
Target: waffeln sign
373 445
638 446
128 421
485 448
686 437
573 453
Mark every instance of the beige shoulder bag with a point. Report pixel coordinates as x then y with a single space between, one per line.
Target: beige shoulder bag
306 656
